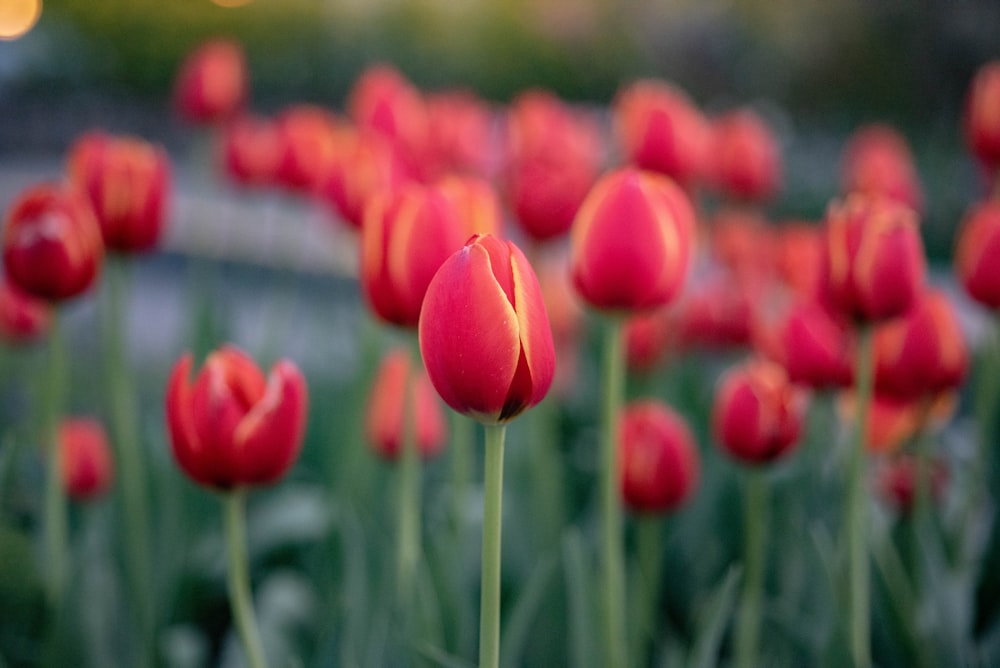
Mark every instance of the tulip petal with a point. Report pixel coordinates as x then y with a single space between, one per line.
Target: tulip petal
180 422
534 332
385 407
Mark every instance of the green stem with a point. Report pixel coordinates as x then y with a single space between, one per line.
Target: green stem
756 513
615 651
238 577
408 518
859 575
460 453
649 550
489 607
128 447
56 520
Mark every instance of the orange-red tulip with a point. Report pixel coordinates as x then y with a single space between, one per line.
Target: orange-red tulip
758 413
400 381
212 83
659 459
873 261
484 333
798 250
128 182
877 160
476 201
251 150
23 318
84 458
745 160
232 426
311 138
982 114
52 244
977 256
407 234
631 243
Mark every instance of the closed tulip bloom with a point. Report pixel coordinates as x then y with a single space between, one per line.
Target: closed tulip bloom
758 412
462 134
877 160
213 83
52 246
128 182
397 382
745 161
873 260
232 426
407 235
923 353
23 318
84 458
484 333
977 256
311 138
476 201
817 349
251 151
982 114
631 242
659 458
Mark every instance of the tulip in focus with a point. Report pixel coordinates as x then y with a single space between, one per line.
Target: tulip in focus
52 246
398 378
877 161
231 426
873 261
484 333
745 160
212 84
23 318
758 413
977 256
659 459
128 182
631 243
84 458
982 115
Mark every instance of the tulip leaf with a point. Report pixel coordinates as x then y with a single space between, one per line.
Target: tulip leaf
712 619
518 628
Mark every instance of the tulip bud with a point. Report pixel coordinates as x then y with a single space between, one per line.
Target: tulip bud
406 236
873 262
631 241
52 246
476 202
462 134
84 458
232 426
745 160
310 141
484 333
659 458
397 383
128 181
758 413
251 151
212 84
923 353
817 350
877 161
896 481
982 114
977 256
23 318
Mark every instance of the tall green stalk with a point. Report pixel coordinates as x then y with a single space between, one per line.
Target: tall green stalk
612 558
649 552
56 521
128 451
755 526
238 577
408 517
489 606
856 512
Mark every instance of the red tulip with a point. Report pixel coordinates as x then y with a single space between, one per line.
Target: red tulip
798 252
659 458
877 161
982 114
717 312
476 201
251 150
84 458
758 412
232 426
977 255
631 241
408 233
661 130
128 182
397 382
52 245
484 333
23 318
648 336
213 83
896 481
816 349
743 242
745 160
463 136
873 262
891 420
311 138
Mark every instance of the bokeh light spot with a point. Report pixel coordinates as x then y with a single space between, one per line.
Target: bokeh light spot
17 17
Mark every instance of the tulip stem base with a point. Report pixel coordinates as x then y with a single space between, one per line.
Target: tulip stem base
856 525
238 577
489 607
756 511
612 558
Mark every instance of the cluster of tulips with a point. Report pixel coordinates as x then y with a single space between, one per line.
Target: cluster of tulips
485 235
